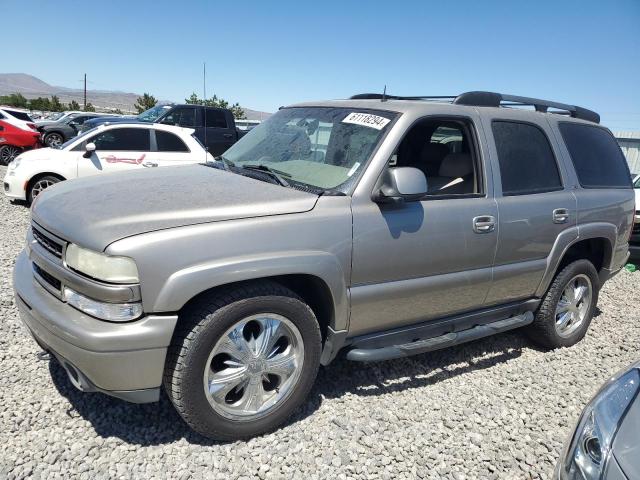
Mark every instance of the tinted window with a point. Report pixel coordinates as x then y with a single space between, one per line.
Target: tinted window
126 139
596 156
215 118
2 116
168 142
183 117
527 163
20 115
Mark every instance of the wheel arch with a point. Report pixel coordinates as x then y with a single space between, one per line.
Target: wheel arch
594 242
29 183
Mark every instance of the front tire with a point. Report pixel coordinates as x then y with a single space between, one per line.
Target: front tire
39 185
566 311
243 360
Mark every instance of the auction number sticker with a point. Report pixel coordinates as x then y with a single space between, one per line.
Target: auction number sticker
366 120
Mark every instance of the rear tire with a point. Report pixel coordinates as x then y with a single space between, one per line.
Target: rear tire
8 153
566 311
213 390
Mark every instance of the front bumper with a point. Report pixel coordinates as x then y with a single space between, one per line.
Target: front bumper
125 360
13 187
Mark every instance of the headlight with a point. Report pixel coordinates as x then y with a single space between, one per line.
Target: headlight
590 446
13 165
101 266
115 312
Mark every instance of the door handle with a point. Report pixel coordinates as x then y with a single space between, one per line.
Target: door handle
560 215
484 224
149 164
227 135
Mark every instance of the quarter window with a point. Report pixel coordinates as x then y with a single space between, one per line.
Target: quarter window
168 142
596 156
123 139
527 163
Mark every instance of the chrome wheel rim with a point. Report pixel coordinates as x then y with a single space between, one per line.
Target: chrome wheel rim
54 140
8 153
41 185
573 305
254 367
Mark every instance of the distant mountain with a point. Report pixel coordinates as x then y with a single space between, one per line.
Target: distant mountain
33 87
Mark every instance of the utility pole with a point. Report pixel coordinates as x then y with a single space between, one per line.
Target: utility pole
85 92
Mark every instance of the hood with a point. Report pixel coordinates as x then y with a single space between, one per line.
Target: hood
96 211
42 154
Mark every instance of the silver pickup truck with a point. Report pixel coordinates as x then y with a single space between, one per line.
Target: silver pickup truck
379 226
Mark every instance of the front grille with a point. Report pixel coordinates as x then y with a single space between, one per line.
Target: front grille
47 243
50 279
6 187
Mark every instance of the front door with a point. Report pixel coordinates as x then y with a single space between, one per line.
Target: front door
417 261
117 148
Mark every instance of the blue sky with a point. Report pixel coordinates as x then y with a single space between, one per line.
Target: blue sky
266 54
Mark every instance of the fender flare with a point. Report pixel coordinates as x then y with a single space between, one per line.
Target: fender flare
185 284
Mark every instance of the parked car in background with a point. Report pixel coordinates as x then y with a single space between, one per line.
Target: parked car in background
214 127
14 140
348 224
605 443
55 134
108 148
57 117
19 118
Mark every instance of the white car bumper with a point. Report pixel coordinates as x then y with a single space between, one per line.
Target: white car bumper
13 187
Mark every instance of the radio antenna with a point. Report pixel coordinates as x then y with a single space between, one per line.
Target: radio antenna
204 111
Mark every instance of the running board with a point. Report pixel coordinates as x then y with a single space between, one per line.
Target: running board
437 343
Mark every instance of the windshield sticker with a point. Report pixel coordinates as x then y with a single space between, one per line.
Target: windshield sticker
353 169
366 120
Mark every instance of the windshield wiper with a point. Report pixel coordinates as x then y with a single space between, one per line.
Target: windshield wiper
277 174
226 163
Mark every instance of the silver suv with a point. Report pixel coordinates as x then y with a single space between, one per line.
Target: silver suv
381 226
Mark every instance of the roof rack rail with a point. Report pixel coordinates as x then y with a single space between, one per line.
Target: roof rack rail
491 99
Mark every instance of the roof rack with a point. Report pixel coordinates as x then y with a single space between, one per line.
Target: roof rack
491 99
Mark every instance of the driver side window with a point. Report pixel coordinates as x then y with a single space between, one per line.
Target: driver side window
445 151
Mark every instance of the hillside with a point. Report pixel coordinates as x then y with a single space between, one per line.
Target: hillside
32 87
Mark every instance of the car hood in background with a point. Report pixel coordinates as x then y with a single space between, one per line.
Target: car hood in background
43 154
96 211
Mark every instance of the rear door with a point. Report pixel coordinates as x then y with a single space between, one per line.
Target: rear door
169 149
118 148
535 201
220 130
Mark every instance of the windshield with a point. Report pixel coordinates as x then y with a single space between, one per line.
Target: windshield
637 183
153 113
324 147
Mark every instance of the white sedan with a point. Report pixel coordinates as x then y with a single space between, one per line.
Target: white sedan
107 148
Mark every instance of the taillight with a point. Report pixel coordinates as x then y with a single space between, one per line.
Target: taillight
32 125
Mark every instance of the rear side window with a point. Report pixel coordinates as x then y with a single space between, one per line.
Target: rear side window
215 118
123 139
168 142
183 117
596 156
527 163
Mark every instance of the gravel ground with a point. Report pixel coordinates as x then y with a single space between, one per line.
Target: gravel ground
496 408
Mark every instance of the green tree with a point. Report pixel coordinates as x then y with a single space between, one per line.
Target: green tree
145 102
56 106
40 103
73 105
14 100
89 108
215 101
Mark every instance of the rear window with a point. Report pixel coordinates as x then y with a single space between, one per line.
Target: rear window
527 163
20 115
215 118
596 156
168 142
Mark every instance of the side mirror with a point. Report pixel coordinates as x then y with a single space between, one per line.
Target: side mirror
401 184
89 148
